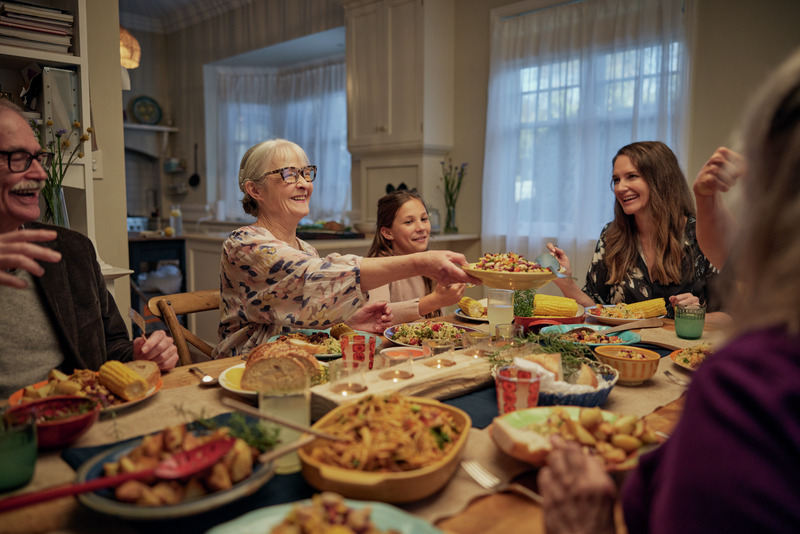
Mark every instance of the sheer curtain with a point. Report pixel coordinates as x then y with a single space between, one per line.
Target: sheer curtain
306 105
568 86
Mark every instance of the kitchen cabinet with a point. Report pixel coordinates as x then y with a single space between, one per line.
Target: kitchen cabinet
400 92
78 184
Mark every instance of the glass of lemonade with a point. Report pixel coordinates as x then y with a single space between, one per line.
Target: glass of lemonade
500 307
293 404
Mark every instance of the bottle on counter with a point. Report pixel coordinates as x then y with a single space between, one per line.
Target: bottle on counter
176 220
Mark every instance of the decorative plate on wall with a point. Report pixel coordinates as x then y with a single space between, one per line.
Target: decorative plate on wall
145 110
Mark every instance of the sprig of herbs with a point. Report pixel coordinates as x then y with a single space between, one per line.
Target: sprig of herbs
259 436
523 302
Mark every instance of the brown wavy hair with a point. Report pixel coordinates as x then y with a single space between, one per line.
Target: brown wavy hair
388 206
670 204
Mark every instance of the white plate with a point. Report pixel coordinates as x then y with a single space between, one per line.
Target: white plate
383 515
614 321
227 381
16 397
389 332
102 501
462 315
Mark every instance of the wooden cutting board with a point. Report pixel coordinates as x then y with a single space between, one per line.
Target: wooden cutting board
670 340
467 375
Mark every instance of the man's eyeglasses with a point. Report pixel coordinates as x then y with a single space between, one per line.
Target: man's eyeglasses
20 161
290 175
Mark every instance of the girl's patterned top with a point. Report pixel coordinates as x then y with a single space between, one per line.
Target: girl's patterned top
637 285
265 284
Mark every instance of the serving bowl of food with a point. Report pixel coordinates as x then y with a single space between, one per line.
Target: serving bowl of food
60 420
635 365
421 442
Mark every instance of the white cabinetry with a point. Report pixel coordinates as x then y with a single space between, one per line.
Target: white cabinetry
399 95
78 186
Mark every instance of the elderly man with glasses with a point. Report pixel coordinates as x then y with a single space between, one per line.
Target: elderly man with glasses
57 310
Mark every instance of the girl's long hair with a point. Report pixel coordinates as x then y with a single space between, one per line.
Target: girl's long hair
669 205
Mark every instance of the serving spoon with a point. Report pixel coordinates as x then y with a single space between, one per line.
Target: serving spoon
549 262
180 465
633 325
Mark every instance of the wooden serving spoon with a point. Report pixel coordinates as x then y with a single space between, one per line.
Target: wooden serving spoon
180 465
633 325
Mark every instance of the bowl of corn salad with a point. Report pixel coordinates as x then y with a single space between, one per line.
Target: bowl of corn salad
509 271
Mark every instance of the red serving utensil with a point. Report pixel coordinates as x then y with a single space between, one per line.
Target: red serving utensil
180 465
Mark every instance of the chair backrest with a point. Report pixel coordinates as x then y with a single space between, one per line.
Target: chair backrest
168 307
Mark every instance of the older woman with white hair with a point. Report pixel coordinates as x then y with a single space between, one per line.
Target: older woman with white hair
270 278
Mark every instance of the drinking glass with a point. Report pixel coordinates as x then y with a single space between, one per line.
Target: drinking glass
294 404
500 307
689 321
395 364
475 344
17 452
358 347
440 353
347 377
516 388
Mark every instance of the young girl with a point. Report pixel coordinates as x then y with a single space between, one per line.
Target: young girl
404 228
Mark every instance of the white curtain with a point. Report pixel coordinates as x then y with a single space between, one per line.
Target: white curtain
306 105
568 86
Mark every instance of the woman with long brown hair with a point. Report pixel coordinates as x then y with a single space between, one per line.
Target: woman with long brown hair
402 228
650 249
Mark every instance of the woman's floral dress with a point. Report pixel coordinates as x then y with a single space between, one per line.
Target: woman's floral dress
637 286
266 284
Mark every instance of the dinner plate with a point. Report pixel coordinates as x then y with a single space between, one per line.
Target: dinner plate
507 280
331 356
674 356
389 332
626 338
611 320
522 418
460 314
384 516
103 501
16 397
231 379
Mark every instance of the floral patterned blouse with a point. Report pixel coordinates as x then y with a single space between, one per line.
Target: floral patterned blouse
637 285
266 284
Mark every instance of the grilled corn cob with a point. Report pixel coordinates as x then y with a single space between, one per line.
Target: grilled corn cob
650 308
122 380
472 307
553 306
340 329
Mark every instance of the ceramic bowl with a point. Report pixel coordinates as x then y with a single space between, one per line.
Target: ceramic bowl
364 228
60 420
632 372
394 487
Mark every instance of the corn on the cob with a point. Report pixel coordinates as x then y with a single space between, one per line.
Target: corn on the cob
472 307
553 306
122 380
650 308
340 329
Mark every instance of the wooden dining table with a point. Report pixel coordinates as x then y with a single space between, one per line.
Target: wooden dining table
500 513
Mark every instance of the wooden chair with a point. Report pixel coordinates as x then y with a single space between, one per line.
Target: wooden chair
168 307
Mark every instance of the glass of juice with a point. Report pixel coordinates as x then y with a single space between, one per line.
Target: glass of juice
293 404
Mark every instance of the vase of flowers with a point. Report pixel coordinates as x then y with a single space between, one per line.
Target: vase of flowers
66 148
451 181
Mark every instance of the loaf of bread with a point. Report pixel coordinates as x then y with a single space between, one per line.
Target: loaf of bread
279 365
519 443
550 361
146 369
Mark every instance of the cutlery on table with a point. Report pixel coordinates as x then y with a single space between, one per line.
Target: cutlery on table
180 465
250 410
633 325
206 379
138 320
489 481
674 378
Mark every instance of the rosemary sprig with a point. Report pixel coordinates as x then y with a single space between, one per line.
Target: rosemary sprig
523 302
256 435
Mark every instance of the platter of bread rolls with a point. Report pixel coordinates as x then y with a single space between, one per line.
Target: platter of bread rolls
115 386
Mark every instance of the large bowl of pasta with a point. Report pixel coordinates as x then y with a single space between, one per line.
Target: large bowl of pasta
399 449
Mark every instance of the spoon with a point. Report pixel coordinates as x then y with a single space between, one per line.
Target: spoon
207 380
675 379
633 325
549 262
180 465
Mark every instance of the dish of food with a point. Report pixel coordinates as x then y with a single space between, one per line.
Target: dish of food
105 502
383 516
16 397
691 358
593 312
412 334
510 280
482 319
593 340
321 338
617 439
425 437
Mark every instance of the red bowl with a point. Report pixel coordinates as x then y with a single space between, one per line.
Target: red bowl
60 420
534 324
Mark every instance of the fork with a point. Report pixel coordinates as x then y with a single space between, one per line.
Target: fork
675 379
489 481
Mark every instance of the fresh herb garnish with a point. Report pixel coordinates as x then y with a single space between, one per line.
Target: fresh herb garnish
254 434
523 302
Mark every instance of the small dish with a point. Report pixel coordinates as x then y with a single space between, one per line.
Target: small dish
60 420
632 372
483 319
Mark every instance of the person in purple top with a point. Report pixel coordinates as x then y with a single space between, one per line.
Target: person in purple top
731 464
